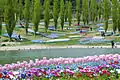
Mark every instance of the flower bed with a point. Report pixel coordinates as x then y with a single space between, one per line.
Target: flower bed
89 40
103 67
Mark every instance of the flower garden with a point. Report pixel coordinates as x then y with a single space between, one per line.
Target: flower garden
102 67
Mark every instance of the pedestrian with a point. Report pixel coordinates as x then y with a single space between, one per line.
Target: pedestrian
91 28
80 30
112 44
19 37
21 25
103 34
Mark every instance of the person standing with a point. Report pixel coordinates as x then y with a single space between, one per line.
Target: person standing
91 28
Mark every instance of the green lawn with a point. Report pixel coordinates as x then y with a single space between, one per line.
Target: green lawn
73 41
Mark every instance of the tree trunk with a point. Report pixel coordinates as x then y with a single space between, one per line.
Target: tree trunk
65 19
10 39
114 26
106 26
26 29
46 30
119 26
62 28
0 28
35 34
78 22
55 25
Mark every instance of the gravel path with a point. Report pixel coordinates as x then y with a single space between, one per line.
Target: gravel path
30 47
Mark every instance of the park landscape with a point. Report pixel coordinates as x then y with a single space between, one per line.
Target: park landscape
32 32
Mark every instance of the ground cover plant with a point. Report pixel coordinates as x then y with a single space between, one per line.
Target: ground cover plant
102 67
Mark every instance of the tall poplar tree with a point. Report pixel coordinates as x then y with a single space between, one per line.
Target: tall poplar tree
55 13
118 12
78 11
69 13
31 8
1 14
100 9
66 11
62 13
20 9
107 12
85 8
93 10
9 17
114 14
46 14
16 8
27 15
36 15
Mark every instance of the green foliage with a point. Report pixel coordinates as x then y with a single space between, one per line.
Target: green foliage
46 14
55 13
69 13
9 16
1 15
78 11
36 15
62 13
27 14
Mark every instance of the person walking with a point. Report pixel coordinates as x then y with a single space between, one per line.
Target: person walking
112 44
19 37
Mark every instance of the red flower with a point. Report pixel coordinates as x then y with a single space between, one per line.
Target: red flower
57 75
7 77
0 75
110 63
79 75
116 62
44 72
104 71
89 73
65 72
100 67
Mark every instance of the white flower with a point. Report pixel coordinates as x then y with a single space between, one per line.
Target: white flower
112 71
118 70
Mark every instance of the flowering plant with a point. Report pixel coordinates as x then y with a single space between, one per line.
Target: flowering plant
102 67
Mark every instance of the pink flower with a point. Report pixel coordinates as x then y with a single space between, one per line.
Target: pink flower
82 71
71 73
108 73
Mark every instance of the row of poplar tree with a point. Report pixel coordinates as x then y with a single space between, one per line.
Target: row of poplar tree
90 10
